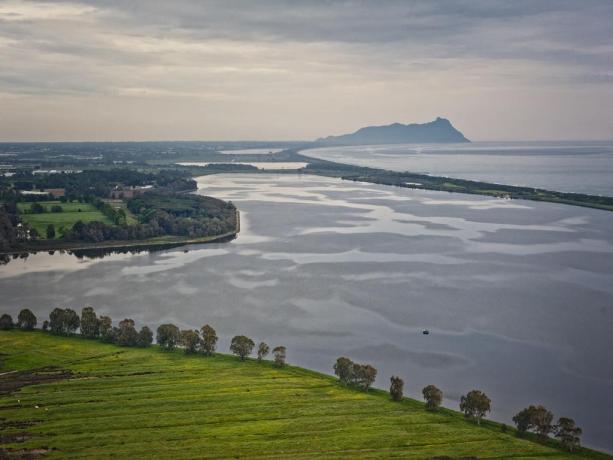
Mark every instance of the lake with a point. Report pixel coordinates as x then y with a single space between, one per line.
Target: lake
581 167
517 295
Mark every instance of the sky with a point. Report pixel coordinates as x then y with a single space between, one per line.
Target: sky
299 70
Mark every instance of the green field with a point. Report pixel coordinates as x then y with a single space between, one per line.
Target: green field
135 403
67 218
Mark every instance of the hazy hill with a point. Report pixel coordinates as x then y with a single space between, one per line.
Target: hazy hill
440 130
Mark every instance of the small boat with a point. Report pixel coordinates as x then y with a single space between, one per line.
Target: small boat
425 332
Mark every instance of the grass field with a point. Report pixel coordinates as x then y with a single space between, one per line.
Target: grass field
67 218
135 403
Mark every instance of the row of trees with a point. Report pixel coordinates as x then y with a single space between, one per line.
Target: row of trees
66 321
475 404
25 320
205 341
539 420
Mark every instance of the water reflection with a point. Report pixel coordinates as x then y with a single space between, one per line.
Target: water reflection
516 295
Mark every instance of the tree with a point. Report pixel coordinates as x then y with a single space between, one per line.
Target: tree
168 336
364 376
56 321
45 325
343 368
190 340
50 231
209 340
145 337
105 325
263 350
433 397
279 354
396 387
56 208
536 418
26 319
241 346
71 321
36 208
568 433
543 420
475 405
63 321
90 324
127 335
523 420
6 322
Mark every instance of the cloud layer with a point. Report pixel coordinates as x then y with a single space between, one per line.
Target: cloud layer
149 69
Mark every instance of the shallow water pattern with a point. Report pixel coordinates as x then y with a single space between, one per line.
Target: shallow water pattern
517 295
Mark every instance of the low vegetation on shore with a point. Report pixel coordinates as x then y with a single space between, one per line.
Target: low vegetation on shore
64 394
106 210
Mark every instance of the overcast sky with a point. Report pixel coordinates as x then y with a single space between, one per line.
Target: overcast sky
198 70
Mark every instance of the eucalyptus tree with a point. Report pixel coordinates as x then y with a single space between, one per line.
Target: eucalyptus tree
279 354
209 340
475 405
241 346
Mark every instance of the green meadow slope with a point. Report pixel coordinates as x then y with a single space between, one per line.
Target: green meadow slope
134 403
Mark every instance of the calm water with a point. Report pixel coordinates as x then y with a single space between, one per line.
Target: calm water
517 295
582 167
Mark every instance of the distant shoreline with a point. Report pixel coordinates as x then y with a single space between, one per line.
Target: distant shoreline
159 242
344 171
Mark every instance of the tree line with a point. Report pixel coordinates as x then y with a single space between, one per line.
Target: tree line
474 405
66 322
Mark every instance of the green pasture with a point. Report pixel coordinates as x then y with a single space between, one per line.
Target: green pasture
67 218
145 403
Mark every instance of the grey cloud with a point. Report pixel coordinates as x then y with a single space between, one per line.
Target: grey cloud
289 53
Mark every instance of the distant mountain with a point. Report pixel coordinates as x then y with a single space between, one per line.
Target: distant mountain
439 130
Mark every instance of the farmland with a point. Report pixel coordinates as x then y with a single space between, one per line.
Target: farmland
127 403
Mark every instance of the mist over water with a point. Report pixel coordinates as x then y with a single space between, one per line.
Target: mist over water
581 167
516 294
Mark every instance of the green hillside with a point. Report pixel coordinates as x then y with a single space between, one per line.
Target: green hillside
134 403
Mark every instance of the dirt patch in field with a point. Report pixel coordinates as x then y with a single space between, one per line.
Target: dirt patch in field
13 381
27 454
11 438
19 424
